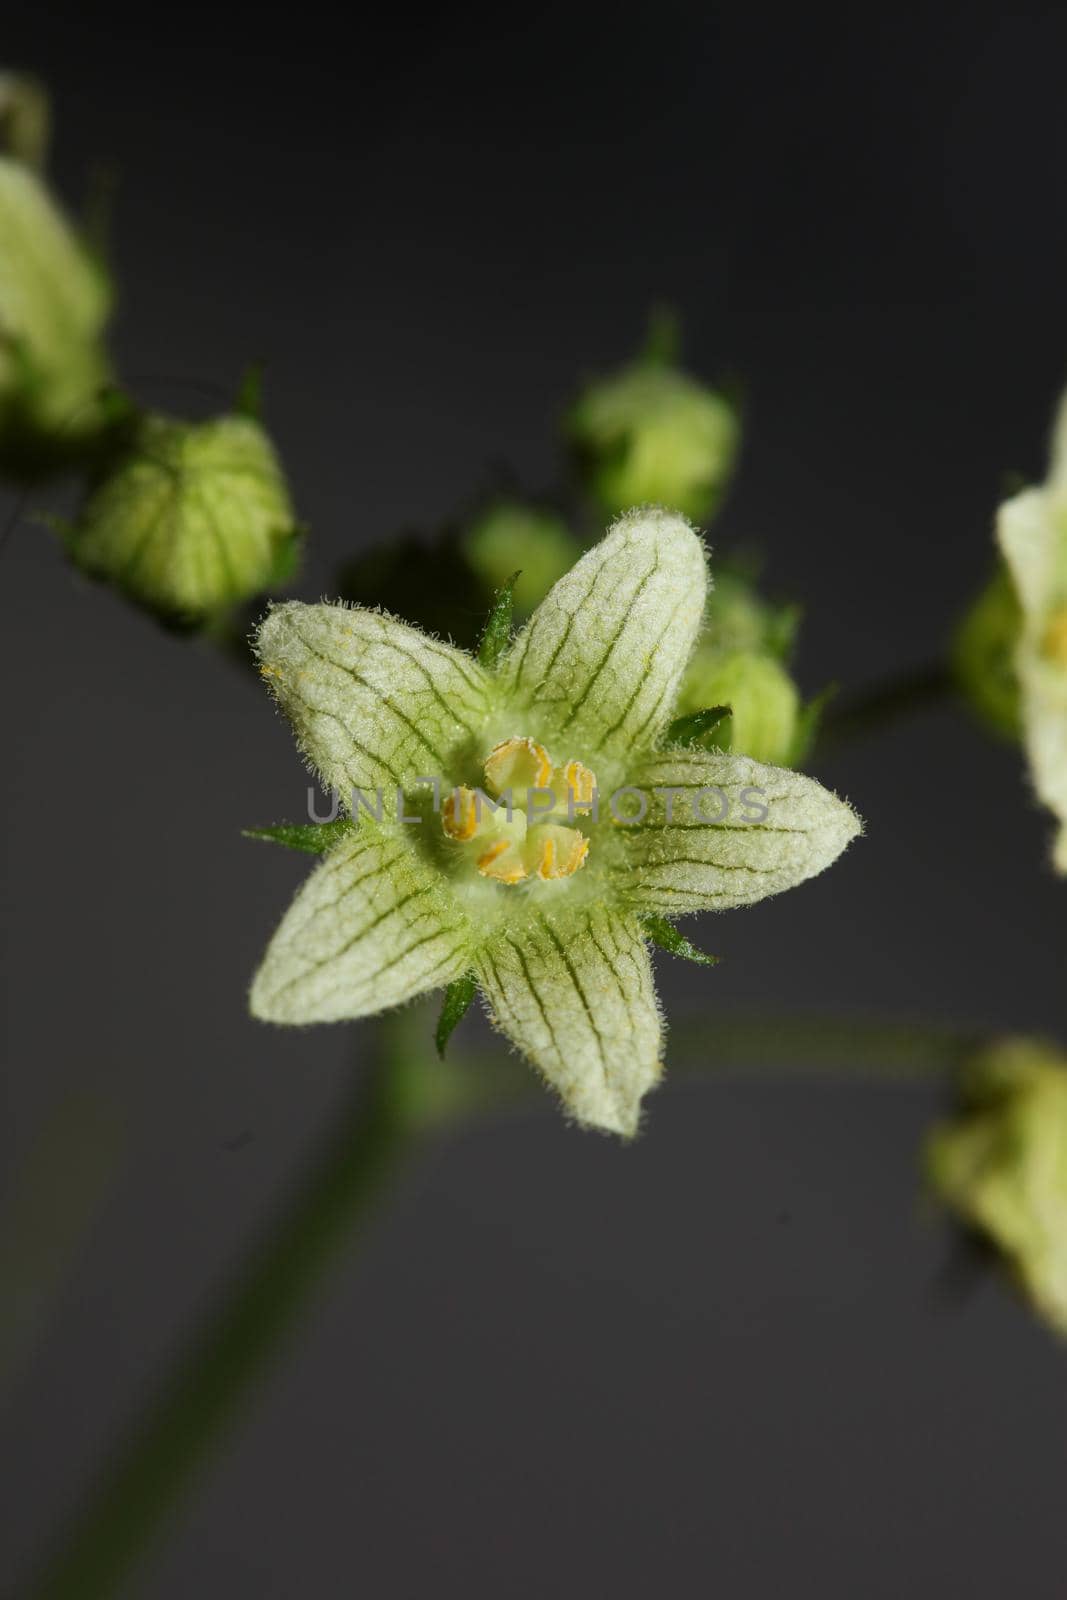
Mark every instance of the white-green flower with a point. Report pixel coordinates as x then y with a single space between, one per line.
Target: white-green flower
1032 533
548 909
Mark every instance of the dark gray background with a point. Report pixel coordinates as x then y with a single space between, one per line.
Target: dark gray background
718 1361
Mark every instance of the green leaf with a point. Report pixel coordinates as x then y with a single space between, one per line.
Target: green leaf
694 730
314 838
456 1004
666 936
496 635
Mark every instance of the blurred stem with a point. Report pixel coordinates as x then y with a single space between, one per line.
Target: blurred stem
858 1047
410 1091
871 710
154 1470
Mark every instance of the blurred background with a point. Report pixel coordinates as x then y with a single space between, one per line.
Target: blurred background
724 1358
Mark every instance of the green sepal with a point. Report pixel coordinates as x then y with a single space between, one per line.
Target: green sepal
287 557
695 730
248 401
454 1007
666 936
809 720
496 635
313 838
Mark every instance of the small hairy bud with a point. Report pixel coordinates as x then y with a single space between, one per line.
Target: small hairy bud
189 518
763 699
651 435
510 537
54 303
1001 1165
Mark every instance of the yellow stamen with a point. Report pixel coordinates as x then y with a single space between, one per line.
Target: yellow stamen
554 851
577 783
502 861
459 814
518 764
1054 643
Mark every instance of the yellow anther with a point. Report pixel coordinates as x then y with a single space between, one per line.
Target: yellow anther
517 764
576 782
1054 643
553 851
459 814
508 845
502 861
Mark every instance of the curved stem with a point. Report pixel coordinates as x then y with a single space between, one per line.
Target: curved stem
204 1394
870 710
212 1379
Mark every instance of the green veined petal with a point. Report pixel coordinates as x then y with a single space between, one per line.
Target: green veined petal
576 996
373 925
373 702
599 664
694 863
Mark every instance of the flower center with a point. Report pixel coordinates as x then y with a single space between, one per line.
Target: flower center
521 825
1054 642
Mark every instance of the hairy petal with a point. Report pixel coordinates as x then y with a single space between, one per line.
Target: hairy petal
600 662
373 925
373 702
693 863
575 995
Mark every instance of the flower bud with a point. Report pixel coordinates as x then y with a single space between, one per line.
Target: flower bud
189 518
1001 1165
54 302
983 655
509 538
651 435
763 700
25 118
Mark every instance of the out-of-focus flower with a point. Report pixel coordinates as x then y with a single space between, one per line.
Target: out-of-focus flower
568 831
650 434
189 518
983 655
54 303
740 662
511 537
25 118
1032 533
1001 1165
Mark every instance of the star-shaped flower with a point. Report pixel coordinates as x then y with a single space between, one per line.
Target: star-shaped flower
568 829
1032 533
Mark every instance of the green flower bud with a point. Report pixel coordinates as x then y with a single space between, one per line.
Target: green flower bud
650 435
739 618
983 655
189 518
54 302
762 697
1001 1166
510 538
25 118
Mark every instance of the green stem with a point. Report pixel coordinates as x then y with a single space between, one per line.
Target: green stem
854 1047
410 1091
212 1380
871 710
